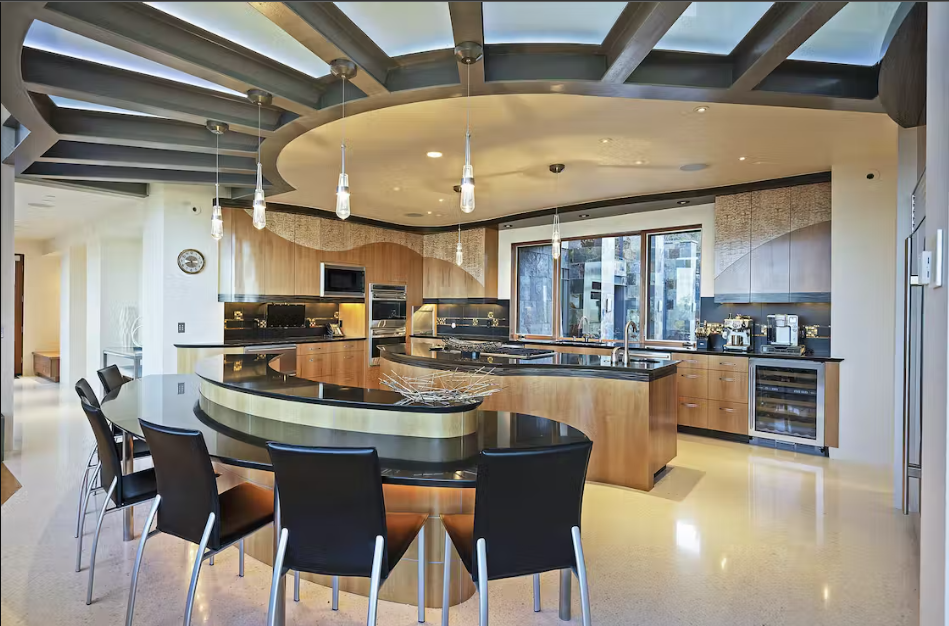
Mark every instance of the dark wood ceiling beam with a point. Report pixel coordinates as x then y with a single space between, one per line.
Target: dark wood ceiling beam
467 24
637 31
326 31
781 31
98 127
148 158
57 75
155 35
71 171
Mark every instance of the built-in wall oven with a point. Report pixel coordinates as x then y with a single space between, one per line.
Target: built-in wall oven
787 400
387 318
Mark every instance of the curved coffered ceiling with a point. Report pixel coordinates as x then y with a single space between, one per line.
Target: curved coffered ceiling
645 61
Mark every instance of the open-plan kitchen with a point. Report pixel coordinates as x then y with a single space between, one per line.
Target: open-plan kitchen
460 312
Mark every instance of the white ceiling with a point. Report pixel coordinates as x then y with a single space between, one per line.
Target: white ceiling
550 22
516 137
421 25
46 212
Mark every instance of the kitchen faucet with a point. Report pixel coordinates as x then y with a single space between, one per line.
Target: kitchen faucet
629 324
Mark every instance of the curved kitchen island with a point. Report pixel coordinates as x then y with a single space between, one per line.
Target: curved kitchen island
428 455
628 411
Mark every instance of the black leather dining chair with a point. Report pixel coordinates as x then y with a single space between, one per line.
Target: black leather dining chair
87 485
190 508
111 378
526 521
337 525
124 490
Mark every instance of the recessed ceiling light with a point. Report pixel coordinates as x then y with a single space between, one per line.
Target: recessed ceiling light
434 154
605 140
441 199
741 158
438 215
639 162
429 212
701 109
396 189
583 215
682 202
413 215
693 167
507 226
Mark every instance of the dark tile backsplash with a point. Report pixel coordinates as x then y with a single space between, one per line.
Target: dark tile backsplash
317 315
474 320
810 314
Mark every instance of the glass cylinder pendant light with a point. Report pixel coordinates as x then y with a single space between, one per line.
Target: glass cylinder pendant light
345 70
217 219
459 254
556 168
468 52
260 98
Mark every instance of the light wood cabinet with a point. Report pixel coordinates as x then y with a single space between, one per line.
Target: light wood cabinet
730 417
693 412
692 361
339 363
728 363
728 386
693 383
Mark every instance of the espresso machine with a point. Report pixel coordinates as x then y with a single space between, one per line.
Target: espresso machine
784 335
737 331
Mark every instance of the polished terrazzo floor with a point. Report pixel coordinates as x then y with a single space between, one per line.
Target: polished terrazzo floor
733 535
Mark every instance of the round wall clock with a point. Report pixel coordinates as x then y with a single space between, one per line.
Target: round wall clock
190 261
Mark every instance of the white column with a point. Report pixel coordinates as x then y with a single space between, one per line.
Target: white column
72 317
169 295
113 283
934 533
7 288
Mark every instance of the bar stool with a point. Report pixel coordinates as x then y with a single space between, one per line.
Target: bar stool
124 490
111 378
190 507
334 521
87 485
527 517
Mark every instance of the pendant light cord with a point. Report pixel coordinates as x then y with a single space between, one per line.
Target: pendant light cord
468 119
343 143
258 132
217 168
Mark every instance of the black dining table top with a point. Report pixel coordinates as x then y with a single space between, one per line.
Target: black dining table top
238 438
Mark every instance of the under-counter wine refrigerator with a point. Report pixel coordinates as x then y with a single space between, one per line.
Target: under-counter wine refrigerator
787 400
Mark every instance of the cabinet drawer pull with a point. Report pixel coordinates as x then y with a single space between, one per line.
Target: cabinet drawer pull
690 375
691 361
728 364
690 405
727 380
727 410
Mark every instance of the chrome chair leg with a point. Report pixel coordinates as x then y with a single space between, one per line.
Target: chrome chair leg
581 576
421 575
84 487
130 610
95 539
240 559
565 582
482 548
211 561
536 593
375 580
446 579
84 503
277 575
296 586
198 559
335 605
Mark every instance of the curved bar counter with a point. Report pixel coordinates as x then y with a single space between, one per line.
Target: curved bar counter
628 411
240 402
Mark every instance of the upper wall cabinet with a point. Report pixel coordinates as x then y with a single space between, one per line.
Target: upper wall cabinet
773 245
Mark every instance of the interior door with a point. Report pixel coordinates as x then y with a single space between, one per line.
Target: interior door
18 317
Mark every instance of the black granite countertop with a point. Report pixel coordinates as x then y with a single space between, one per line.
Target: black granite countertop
239 343
560 364
253 374
238 438
609 345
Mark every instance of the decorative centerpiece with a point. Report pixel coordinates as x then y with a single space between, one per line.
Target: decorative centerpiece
443 388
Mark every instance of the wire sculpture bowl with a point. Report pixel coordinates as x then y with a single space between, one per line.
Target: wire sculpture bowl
446 388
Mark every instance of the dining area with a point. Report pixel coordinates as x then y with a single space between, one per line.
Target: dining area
356 490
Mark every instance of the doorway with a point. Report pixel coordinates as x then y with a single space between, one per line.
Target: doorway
18 317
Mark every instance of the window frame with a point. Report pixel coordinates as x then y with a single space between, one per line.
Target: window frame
557 334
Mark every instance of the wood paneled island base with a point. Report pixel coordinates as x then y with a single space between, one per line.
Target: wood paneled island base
632 423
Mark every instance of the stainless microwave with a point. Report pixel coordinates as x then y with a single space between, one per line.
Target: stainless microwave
342 281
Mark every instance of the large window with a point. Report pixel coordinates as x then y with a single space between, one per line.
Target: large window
651 279
535 290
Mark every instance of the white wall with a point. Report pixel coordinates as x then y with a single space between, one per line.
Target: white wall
72 316
114 281
41 284
934 525
171 296
703 214
863 284
7 288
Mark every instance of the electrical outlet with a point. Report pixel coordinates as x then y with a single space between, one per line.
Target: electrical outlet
181 327
181 389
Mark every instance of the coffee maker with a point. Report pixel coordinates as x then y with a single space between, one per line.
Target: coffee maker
784 335
737 332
